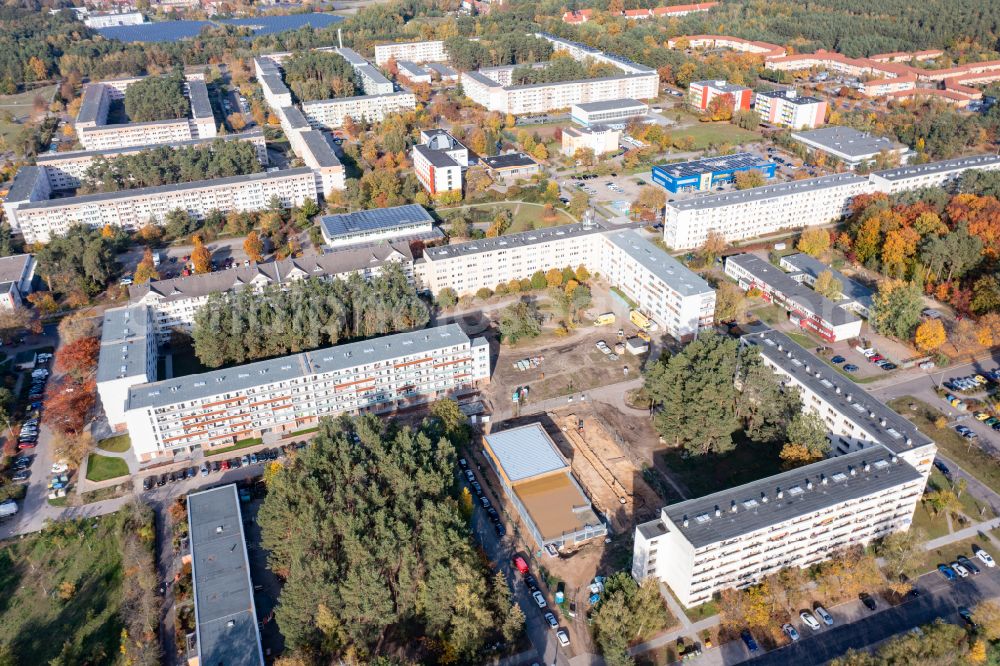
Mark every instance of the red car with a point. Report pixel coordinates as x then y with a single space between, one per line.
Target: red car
521 565
224 466
26 445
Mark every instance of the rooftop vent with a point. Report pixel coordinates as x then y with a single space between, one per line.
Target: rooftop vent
853 470
867 467
763 497
809 485
685 522
718 511
780 493
732 506
895 459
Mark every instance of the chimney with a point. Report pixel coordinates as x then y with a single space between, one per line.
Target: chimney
732 506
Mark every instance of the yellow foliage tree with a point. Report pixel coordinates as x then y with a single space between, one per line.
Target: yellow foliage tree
814 242
930 335
554 277
201 257
146 271
254 247
987 616
797 455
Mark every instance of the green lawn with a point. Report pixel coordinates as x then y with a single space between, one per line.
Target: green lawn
102 468
118 444
947 554
933 526
304 431
241 444
970 458
38 615
708 134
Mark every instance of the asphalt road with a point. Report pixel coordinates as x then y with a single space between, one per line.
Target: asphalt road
939 599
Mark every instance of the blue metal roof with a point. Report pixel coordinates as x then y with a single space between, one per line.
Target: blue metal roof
366 220
525 452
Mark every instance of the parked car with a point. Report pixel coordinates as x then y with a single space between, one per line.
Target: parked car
966 616
245 460
824 615
499 529
790 631
551 619
942 467
838 359
539 599
967 563
563 636
204 470
148 482
850 367
959 569
520 565
868 601
224 465
21 462
21 475
162 481
985 557
947 571
809 620
748 640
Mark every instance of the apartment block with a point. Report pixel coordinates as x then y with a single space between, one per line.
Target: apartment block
430 51
330 113
444 73
173 303
318 155
543 97
600 139
283 395
439 161
932 174
614 111
127 358
736 537
373 82
808 309
413 72
786 108
38 221
675 298
16 275
805 268
701 94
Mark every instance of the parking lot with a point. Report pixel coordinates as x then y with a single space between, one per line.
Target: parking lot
970 396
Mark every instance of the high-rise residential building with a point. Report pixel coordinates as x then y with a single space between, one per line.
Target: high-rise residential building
429 51
439 161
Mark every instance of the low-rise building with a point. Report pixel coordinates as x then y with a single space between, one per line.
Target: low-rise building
98 20
413 72
786 108
850 146
614 111
283 395
805 268
600 139
443 73
225 616
407 222
511 166
810 310
539 482
16 275
709 173
428 51
701 94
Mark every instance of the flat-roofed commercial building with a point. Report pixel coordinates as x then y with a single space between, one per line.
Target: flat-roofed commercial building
330 113
932 174
408 222
613 111
173 303
806 268
38 221
850 146
701 94
540 484
224 611
736 537
710 172
810 310
282 395
511 166
786 108
675 298
855 419
127 357
760 210
429 51
600 139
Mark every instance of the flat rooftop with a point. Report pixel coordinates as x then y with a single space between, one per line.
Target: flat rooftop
225 615
24 183
852 290
853 402
294 117
525 452
295 366
348 224
521 239
437 158
790 96
441 69
508 161
804 490
201 107
722 163
90 105
944 166
55 158
372 74
351 56
672 272
847 141
724 86
611 105
412 68
124 336
557 505
766 192
320 148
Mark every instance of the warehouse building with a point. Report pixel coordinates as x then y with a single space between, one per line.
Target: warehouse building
709 173
613 111
226 625
808 309
849 146
540 484
408 222
786 108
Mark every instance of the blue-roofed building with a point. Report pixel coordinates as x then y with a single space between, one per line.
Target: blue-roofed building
710 172
539 482
171 31
380 224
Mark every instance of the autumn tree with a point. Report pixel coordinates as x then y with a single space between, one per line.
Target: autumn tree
714 245
146 270
201 257
745 180
78 359
930 335
814 241
254 247
987 615
896 308
730 303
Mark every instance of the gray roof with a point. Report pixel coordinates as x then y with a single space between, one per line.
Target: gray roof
225 615
862 409
792 290
483 79
346 224
327 359
525 452
320 148
124 334
13 267
846 479
294 117
793 98
90 105
960 163
508 161
274 83
351 56
163 189
512 240
201 107
724 86
852 290
412 68
324 102
372 74
610 105
276 272
659 263
438 158
847 141
24 183
442 69
766 192
46 158
616 77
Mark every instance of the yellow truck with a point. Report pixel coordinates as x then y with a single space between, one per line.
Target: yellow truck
605 319
639 319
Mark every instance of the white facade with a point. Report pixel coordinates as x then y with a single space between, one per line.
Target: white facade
543 97
932 174
330 113
600 138
787 109
431 51
110 20
16 274
127 358
287 394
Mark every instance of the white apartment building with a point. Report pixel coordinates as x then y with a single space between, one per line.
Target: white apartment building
787 108
173 303
318 155
127 357
16 274
31 183
330 113
65 171
373 82
741 214
615 111
600 139
38 221
439 161
932 174
543 97
736 537
413 72
671 295
284 395
430 51
111 19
